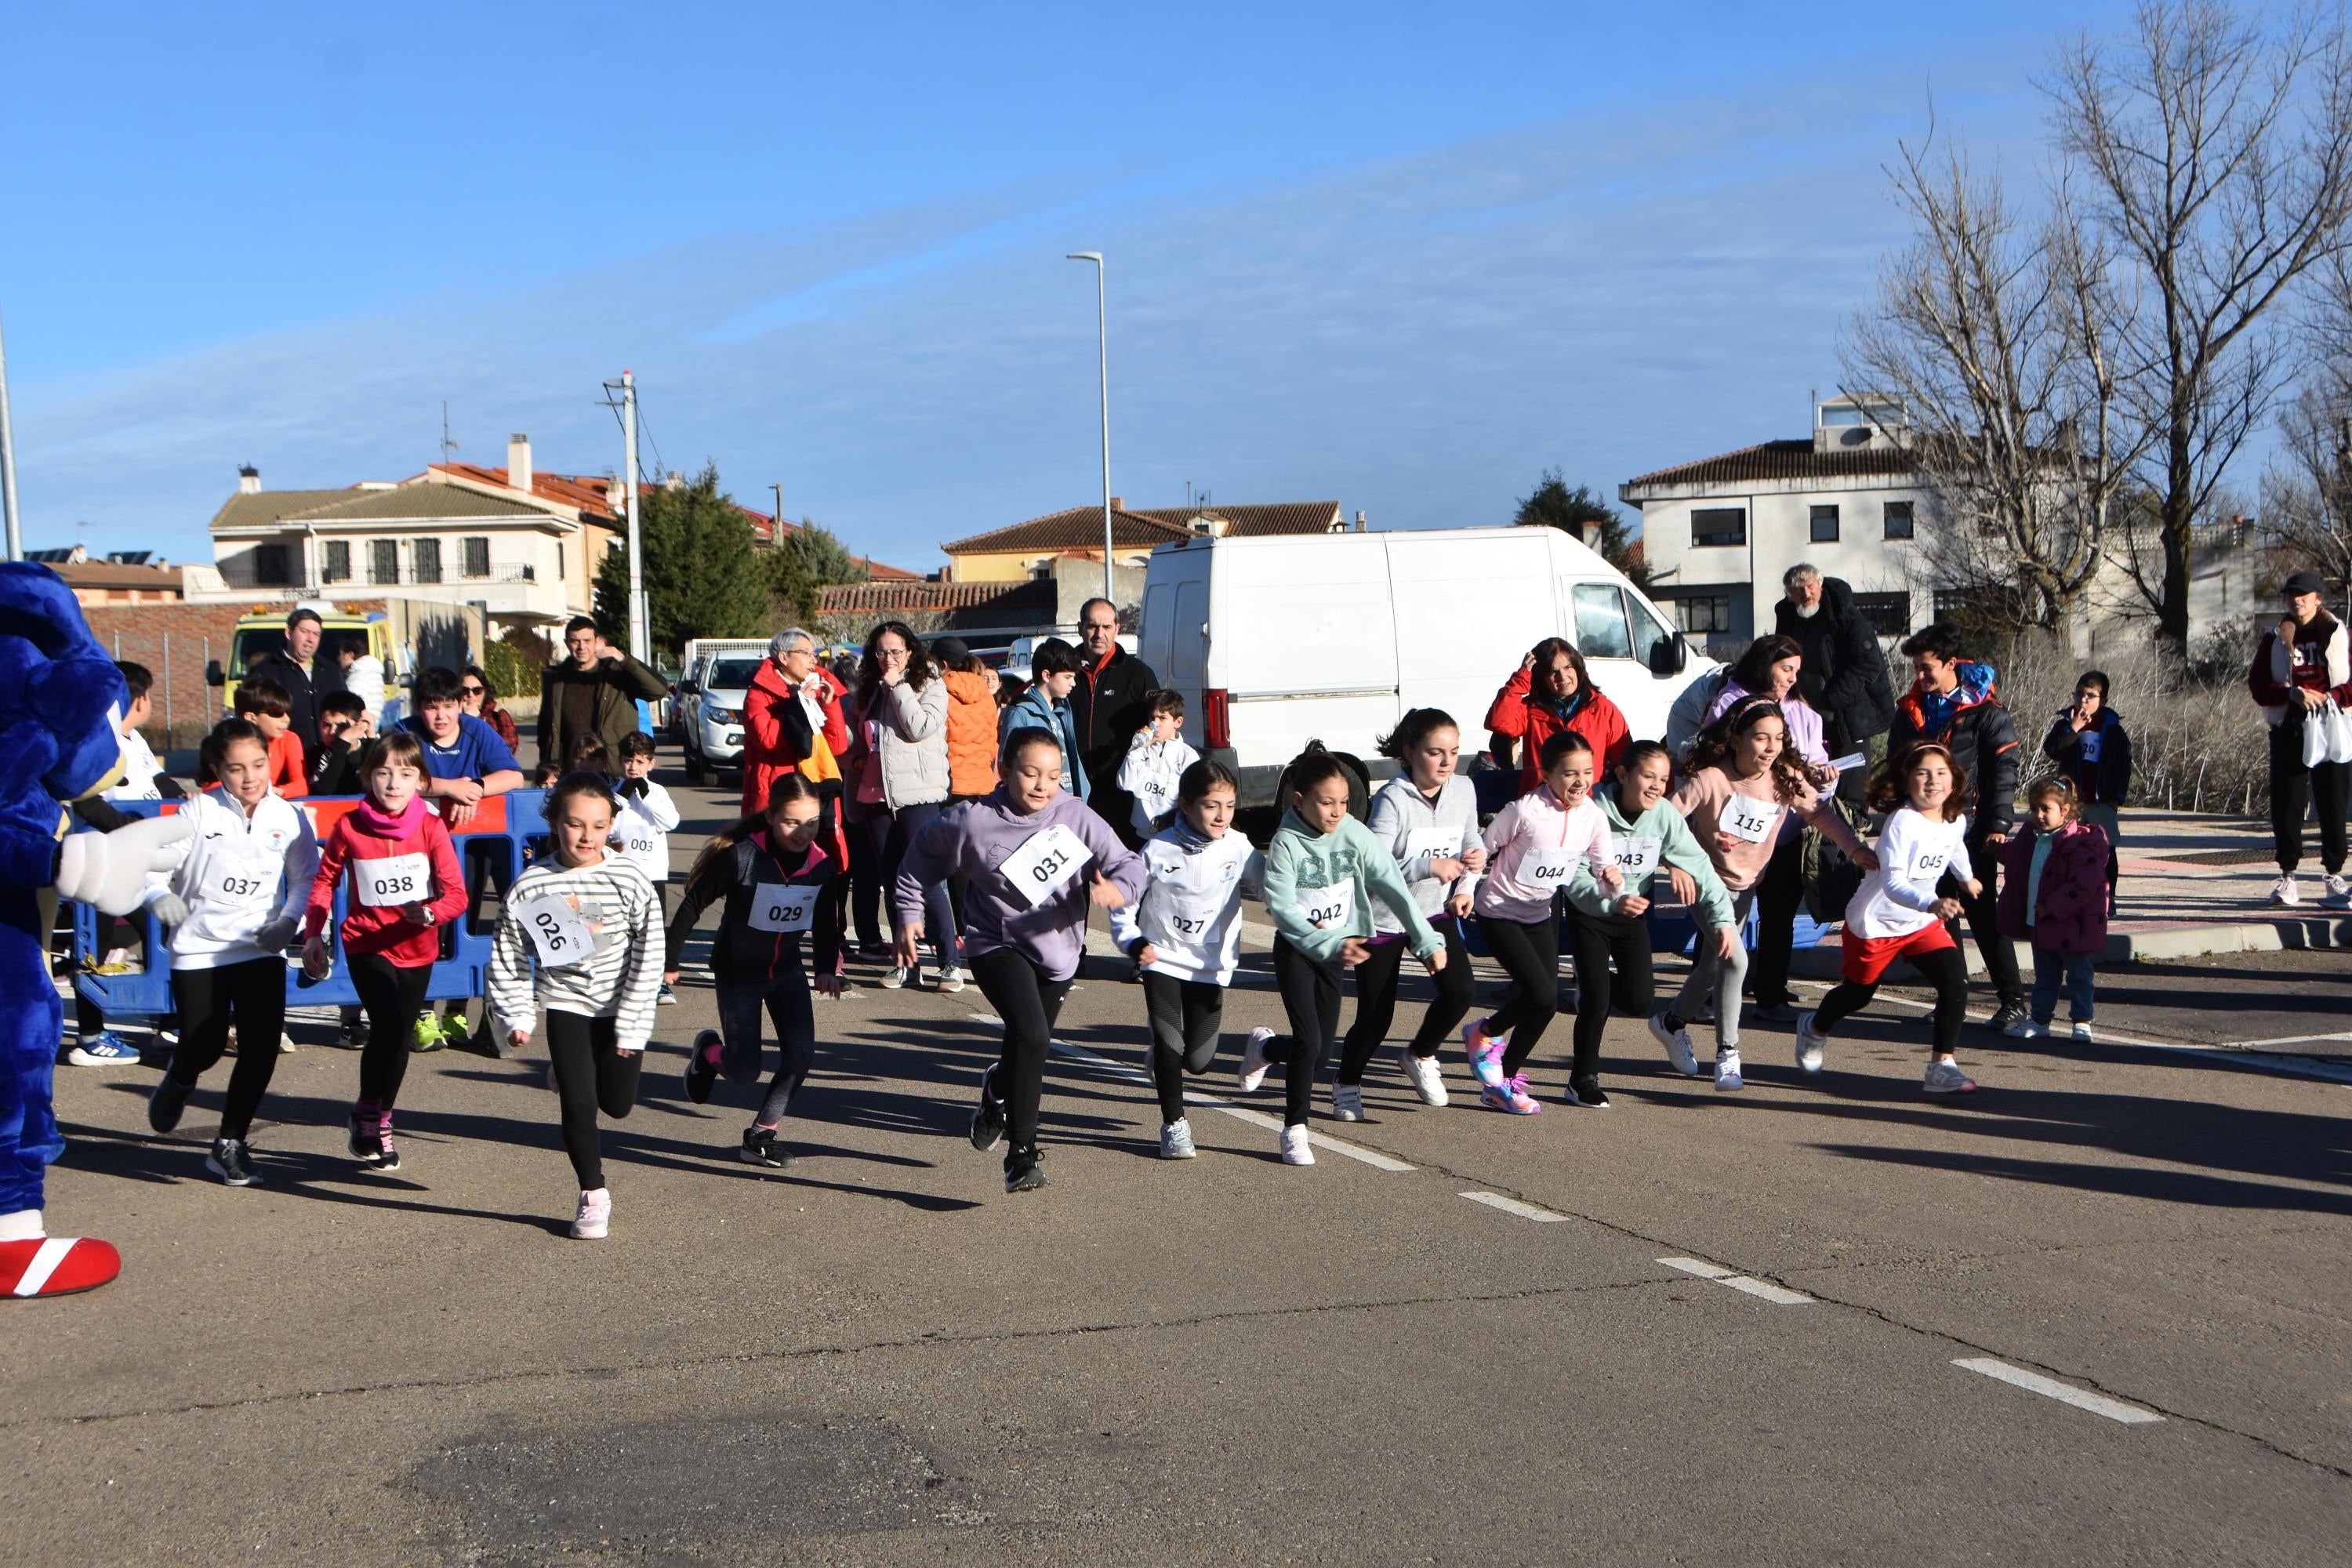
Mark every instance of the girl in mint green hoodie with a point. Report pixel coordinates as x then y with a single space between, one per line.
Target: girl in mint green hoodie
1321 871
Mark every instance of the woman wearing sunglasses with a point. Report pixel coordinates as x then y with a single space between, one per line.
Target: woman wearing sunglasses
473 686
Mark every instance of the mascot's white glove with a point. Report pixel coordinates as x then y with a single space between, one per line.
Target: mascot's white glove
170 908
109 869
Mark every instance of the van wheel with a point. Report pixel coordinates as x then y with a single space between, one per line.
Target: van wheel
1360 790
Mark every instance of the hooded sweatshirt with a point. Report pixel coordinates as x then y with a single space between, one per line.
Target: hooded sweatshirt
1534 848
399 861
1319 888
1029 875
1191 911
235 874
1640 847
1418 831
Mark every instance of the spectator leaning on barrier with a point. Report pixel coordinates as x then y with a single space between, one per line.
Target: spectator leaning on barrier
1109 706
1953 703
463 758
594 691
1553 691
297 668
2091 747
2299 666
1844 674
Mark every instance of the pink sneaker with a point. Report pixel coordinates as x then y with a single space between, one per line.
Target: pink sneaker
1485 1051
595 1215
1511 1094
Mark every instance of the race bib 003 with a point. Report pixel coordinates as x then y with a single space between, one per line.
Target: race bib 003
1045 861
395 880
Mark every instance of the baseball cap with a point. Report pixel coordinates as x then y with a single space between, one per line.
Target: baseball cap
2304 582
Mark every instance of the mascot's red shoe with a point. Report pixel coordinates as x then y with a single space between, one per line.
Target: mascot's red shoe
56 1265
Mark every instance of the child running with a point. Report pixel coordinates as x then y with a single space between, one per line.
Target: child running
1154 765
237 883
1428 817
589 922
776 882
2057 884
1535 846
1323 870
1186 932
404 886
1897 914
645 821
1647 837
1036 857
1742 777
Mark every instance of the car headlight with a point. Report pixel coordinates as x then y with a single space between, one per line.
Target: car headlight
718 715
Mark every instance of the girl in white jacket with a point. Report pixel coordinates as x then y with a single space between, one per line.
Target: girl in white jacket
234 896
1186 932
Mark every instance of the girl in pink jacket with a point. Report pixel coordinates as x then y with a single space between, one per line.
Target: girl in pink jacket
2055 891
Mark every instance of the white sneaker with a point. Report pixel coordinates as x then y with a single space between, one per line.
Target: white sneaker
1253 1068
595 1215
1677 1043
2339 893
1294 1148
2284 894
951 979
1726 1069
2026 1029
2083 1033
1347 1102
1945 1078
1421 1072
1811 1044
897 976
1176 1138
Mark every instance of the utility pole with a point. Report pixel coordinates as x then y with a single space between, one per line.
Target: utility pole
8 466
636 545
1102 360
776 532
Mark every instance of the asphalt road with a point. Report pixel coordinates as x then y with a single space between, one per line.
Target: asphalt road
1457 1338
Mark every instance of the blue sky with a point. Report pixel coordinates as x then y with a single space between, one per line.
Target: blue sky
1401 257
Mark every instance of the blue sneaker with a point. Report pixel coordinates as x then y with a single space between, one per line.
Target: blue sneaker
103 1051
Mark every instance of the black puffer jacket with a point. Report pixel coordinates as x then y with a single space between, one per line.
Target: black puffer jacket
1844 675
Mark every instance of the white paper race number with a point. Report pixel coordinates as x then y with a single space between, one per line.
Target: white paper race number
1548 869
1636 854
245 883
1046 858
397 879
1749 821
781 909
1326 909
558 932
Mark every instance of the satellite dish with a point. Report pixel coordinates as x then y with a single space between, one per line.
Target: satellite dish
1857 436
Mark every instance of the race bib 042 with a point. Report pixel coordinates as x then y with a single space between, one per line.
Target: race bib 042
1327 908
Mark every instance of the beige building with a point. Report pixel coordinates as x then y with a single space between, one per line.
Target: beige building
1027 550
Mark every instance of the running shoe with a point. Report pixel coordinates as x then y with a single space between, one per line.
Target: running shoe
988 1121
1297 1149
1726 1069
426 1034
1252 1068
760 1148
2082 1031
1510 1095
363 1141
877 952
2284 894
1945 1078
2027 1029
390 1159
1347 1102
1586 1092
596 1216
1025 1169
702 1066
899 975
951 979
164 1105
1811 1044
102 1049
1677 1043
2339 893
2007 1016
285 1044
1176 1138
666 996
1485 1051
1422 1073
351 1037
229 1162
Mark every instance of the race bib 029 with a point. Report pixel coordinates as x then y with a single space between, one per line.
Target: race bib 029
781 909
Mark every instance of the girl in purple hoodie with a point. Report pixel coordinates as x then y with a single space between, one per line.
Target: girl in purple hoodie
1035 859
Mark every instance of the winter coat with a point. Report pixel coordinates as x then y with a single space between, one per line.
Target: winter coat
972 731
1107 710
619 683
1532 720
2321 660
499 719
2070 907
1033 709
912 726
303 689
1982 738
1844 674
777 735
2097 758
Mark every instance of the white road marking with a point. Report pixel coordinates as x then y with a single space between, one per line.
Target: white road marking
2065 1393
1513 1205
1716 1274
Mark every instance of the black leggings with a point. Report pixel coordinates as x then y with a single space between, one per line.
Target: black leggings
1028 999
1779 893
1376 995
1946 969
1310 997
2295 789
591 1075
786 998
392 996
253 994
1530 954
1602 942
1185 1015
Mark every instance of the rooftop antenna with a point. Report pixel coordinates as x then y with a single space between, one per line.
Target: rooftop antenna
449 445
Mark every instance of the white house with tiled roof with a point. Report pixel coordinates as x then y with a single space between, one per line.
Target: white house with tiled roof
1026 549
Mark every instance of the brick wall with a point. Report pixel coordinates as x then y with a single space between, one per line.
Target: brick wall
147 634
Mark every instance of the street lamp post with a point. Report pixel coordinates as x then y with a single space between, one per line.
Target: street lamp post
1102 359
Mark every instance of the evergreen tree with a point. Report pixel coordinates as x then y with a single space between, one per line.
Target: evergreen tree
704 573
1583 514
808 559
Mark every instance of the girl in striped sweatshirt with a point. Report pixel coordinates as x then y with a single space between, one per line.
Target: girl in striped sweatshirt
589 922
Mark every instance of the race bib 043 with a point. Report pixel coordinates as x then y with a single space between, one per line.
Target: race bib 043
1635 855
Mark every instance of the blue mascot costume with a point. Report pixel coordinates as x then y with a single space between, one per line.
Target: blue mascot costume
61 699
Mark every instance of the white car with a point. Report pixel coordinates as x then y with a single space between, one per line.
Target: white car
711 697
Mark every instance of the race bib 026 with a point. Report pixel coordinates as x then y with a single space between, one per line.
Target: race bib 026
557 931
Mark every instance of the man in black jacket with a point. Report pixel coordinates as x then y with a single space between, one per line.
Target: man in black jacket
1844 674
1952 703
1109 708
305 677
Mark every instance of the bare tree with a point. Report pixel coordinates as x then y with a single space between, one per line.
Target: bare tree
2218 157
1998 334
2306 512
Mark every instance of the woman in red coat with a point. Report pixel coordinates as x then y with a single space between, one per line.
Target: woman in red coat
1552 692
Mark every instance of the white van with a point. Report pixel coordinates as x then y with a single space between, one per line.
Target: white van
1278 641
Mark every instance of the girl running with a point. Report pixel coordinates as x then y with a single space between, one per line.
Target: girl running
1647 838
1186 932
589 922
404 886
1535 848
1428 817
1323 870
1036 858
1897 914
1742 776
777 887
237 884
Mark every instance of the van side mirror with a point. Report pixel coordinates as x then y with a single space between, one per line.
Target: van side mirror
1668 655
214 674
